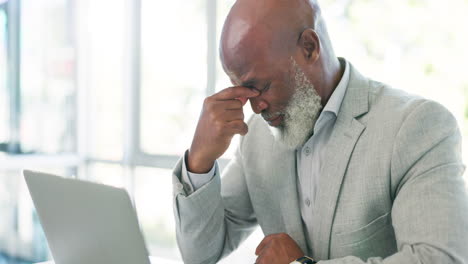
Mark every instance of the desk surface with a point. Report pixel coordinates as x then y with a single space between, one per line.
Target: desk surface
154 260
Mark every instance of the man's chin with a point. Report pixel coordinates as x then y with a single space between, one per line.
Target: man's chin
290 139
277 122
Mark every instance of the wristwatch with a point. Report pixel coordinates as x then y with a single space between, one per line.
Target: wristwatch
304 260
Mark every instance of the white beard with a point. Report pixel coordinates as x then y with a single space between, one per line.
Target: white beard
300 114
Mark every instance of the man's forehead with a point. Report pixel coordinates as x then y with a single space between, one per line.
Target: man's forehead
234 79
249 79
259 71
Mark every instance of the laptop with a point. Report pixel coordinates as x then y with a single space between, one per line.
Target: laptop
86 223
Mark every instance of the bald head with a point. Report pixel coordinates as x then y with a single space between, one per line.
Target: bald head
267 28
270 46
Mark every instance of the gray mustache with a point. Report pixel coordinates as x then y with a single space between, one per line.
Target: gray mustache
268 116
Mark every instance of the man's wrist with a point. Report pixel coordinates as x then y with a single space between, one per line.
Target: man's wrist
196 166
304 260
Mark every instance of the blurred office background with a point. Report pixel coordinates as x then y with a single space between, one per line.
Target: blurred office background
111 90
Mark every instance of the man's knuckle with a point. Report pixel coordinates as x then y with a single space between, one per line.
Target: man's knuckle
235 117
213 116
230 91
260 260
218 126
239 125
208 100
209 106
244 126
233 126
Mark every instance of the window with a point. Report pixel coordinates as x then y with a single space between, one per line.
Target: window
4 111
153 200
173 73
37 115
102 73
111 91
47 78
21 237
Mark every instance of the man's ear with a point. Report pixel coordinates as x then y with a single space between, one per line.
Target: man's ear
309 43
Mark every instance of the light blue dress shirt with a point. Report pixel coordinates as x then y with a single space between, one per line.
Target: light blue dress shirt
310 156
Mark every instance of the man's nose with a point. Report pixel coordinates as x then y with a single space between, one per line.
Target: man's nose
258 104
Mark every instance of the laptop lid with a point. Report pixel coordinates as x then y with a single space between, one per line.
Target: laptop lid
86 222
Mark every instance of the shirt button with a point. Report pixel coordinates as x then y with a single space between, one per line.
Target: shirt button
179 186
307 202
307 151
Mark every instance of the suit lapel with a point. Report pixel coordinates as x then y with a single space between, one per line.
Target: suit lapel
344 137
338 155
289 203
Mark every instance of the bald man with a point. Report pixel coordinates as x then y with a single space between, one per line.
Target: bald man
334 167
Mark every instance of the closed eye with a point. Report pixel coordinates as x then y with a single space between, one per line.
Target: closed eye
251 85
265 88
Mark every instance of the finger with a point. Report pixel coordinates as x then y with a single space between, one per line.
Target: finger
259 260
263 244
232 104
219 107
236 92
243 100
233 115
264 257
238 127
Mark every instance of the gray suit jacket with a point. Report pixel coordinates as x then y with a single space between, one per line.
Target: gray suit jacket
391 190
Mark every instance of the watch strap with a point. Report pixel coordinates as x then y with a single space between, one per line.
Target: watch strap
305 260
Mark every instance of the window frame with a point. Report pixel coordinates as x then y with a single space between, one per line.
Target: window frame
81 159
13 74
133 155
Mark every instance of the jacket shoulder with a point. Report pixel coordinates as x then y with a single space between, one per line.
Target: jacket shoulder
387 104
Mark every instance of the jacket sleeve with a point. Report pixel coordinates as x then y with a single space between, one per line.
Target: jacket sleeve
430 208
215 219
194 181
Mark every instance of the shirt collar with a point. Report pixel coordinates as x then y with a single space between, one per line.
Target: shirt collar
334 103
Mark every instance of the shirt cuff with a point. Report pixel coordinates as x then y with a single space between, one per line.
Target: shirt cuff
194 181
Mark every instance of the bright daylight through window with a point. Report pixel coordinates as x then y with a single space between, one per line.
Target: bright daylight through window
111 91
